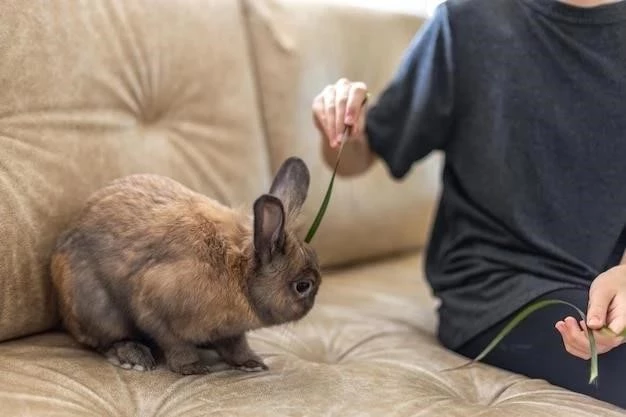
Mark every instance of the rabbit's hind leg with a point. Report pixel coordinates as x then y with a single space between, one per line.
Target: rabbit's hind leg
94 320
131 355
115 335
117 340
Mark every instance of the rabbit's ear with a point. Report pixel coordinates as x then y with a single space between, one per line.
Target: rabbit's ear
269 227
291 184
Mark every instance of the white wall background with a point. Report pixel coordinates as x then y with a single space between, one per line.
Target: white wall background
422 7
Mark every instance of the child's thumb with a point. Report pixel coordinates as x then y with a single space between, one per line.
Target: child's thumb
599 300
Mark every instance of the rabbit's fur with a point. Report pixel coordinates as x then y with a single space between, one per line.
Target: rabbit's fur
150 264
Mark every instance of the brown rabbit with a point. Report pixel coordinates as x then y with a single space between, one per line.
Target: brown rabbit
149 263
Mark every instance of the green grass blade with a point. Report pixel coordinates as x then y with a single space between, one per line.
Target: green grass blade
324 205
528 310
322 209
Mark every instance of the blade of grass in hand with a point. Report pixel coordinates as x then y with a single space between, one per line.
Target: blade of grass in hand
528 310
322 209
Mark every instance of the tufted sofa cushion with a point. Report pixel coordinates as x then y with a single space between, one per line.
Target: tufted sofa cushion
366 350
95 90
300 47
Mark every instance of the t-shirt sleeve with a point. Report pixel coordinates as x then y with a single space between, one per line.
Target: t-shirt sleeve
412 116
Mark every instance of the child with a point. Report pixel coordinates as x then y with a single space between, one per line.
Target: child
527 99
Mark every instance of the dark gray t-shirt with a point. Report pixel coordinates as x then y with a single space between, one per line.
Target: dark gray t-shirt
527 99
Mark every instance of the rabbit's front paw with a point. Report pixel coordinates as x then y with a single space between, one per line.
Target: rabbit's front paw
183 359
131 355
237 353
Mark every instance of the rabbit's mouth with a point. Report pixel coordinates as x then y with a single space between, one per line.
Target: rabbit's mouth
272 313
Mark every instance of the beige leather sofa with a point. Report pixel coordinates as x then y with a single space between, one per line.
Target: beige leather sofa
216 94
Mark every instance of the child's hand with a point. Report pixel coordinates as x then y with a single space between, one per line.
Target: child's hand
607 307
340 105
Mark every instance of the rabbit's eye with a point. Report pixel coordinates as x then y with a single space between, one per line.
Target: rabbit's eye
303 287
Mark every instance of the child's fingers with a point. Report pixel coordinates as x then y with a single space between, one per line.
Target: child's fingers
567 344
578 336
571 336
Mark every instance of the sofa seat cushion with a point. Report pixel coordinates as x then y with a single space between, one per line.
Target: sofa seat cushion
367 349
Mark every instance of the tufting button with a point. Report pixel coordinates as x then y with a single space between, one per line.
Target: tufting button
151 114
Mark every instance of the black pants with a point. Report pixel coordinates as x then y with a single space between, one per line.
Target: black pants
535 349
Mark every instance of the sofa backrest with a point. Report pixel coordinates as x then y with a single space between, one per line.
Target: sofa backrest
299 47
214 94
95 90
